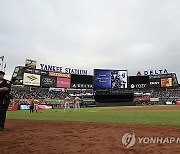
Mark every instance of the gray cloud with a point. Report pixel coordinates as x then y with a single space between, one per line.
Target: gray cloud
114 34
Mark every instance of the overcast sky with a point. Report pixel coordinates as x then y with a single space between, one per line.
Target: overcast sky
87 34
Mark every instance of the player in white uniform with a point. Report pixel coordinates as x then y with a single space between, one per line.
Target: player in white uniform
36 106
66 103
77 103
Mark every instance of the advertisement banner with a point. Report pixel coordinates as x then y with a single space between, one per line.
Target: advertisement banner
31 79
63 82
159 76
28 70
143 99
32 71
138 82
169 103
45 73
81 86
154 99
44 106
155 72
177 102
139 86
62 75
37 71
166 82
13 107
30 63
155 83
47 81
24 107
110 79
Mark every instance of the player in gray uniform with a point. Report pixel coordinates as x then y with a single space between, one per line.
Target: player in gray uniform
36 106
66 103
77 103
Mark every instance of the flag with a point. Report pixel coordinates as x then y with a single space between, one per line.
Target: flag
2 58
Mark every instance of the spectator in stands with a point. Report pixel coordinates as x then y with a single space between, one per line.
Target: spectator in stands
36 93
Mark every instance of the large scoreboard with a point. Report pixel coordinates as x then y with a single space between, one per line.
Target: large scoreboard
110 79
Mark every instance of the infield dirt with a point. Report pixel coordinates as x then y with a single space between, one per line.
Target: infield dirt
47 137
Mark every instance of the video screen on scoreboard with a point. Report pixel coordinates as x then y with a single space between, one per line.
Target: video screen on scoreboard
166 82
110 79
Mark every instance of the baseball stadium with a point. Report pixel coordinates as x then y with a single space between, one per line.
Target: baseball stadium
118 113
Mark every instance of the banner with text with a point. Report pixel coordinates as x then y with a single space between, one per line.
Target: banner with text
138 82
63 82
47 81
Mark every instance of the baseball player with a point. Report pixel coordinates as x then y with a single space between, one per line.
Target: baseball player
77 103
36 106
66 103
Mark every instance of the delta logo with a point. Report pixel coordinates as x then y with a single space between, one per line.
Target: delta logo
32 77
138 73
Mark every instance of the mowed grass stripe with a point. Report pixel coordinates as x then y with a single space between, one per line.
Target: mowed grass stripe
151 117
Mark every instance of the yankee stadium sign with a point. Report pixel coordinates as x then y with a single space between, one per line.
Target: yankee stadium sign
65 70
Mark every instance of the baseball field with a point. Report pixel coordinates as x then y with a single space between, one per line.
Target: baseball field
92 130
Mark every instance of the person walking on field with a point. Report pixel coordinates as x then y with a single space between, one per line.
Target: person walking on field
31 105
66 103
77 103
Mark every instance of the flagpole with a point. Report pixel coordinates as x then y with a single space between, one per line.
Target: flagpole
5 67
2 64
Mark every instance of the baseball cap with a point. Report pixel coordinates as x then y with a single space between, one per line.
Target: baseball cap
1 72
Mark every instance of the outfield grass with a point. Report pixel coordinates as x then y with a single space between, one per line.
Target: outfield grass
163 117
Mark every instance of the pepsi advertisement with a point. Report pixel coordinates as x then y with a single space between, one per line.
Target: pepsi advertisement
110 79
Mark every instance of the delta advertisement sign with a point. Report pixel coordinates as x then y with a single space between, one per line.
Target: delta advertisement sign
155 72
59 69
152 72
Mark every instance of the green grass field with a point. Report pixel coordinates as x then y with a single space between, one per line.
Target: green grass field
98 114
